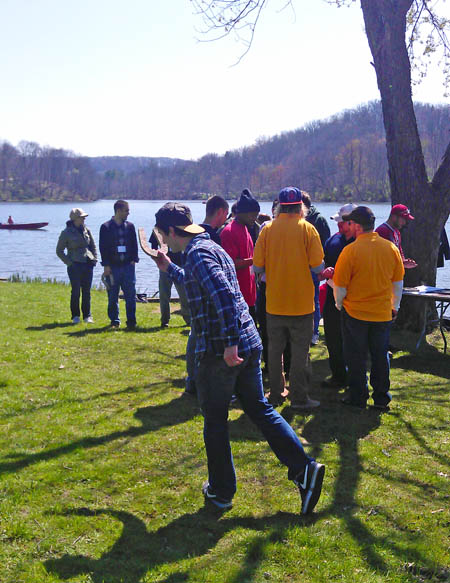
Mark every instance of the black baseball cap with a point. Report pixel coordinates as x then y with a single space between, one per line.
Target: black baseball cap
362 215
175 214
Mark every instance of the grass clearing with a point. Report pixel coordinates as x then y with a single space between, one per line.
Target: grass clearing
102 461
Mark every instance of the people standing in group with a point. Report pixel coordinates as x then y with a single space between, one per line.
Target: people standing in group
119 252
399 217
288 248
331 315
368 283
76 248
313 216
165 287
238 243
228 350
216 212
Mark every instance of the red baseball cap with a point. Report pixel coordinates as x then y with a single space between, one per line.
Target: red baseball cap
402 211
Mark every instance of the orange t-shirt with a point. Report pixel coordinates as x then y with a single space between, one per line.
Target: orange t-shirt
367 268
287 248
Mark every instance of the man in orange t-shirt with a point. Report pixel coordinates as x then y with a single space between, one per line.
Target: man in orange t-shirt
287 249
368 284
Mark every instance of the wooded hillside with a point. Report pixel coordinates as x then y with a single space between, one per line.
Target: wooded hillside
340 158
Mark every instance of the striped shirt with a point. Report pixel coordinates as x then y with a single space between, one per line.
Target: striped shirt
219 313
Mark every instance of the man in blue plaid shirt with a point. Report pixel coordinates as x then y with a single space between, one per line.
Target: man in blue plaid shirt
228 356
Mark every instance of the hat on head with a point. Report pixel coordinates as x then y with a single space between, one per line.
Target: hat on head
175 214
77 213
290 195
344 210
247 203
362 215
402 211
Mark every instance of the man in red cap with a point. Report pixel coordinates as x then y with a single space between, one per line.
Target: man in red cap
390 230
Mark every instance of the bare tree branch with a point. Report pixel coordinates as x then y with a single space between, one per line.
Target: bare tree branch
232 16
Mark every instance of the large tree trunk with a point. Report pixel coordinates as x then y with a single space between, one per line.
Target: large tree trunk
385 22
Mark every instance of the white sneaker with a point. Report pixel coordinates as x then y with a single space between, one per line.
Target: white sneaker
315 339
76 320
89 320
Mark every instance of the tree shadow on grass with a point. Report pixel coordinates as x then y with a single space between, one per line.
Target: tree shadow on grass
414 432
152 418
104 395
50 326
101 330
137 550
346 428
333 423
437 364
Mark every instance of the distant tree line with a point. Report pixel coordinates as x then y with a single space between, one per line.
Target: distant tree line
340 158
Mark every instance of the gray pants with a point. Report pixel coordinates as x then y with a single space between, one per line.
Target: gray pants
165 288
298 331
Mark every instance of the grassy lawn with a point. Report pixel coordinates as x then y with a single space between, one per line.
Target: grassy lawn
102 461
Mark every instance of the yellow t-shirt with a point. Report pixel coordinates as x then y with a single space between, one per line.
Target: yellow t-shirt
287 247
367 268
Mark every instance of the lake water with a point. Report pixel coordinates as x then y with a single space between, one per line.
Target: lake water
32 253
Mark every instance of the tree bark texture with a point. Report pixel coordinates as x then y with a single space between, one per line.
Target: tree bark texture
385 23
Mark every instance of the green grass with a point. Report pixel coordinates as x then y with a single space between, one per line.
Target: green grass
102 461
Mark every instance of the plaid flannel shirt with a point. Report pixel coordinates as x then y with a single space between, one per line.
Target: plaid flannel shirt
219 313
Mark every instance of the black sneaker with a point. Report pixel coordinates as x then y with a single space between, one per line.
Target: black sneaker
214 499
310 486
379 407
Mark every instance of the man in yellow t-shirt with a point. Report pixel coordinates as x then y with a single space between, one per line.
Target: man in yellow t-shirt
287 249
368 284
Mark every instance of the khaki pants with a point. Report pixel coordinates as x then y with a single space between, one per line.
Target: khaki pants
298 331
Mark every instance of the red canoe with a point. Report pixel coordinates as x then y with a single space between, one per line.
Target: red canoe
23 225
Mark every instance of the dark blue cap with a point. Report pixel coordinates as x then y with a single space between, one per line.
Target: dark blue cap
290 195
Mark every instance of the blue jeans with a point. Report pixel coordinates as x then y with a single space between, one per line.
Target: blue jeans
216 382
165 290
360 338
124 277
80 275
316 302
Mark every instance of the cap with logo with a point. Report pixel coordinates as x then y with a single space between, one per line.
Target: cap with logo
175 214
402 211
290 195
344 210
77 213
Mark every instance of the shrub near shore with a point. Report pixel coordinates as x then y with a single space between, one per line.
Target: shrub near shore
102 461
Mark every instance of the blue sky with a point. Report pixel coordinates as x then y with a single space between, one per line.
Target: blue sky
108 77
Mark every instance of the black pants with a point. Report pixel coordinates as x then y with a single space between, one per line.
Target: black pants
333 338
80 275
